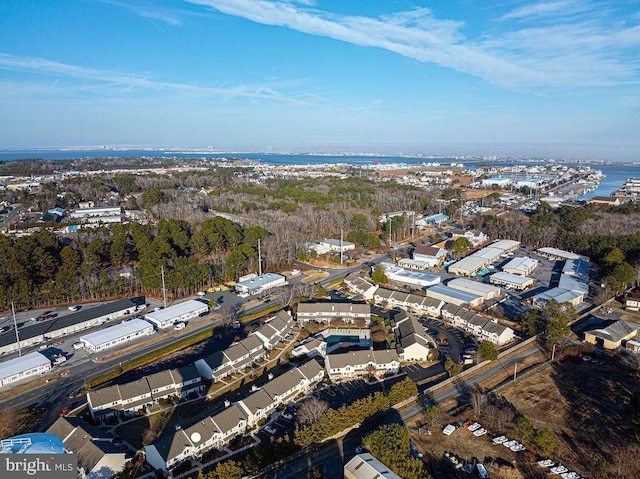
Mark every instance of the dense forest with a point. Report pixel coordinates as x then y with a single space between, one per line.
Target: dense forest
196 247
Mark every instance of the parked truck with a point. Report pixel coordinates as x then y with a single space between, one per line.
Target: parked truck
58 359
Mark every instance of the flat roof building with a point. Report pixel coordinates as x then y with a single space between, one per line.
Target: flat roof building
261 283
87 317
511 280
454 296
560 254
22 367
414 278
487 291
177 313
521 266
118 334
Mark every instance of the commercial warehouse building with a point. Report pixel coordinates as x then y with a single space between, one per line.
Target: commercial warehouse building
177 313
454 296
559 254
257 284
511 280
118 334
87 317
522 266
23 367
473 263
475 287
412 278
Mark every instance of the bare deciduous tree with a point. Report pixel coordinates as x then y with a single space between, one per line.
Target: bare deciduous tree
478 402
311 410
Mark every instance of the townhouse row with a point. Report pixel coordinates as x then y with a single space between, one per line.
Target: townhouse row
483 328
145 392
236 419
248 351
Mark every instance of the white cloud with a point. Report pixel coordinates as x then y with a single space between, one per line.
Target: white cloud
547 9
117 83
557 58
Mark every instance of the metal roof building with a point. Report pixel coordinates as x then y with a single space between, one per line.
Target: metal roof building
453 296
365 466
487 291
87 317
114 335
512 280
261 283
176 313
521 266
22 367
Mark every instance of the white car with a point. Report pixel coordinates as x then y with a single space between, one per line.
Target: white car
73 308
270 429
179 326
287 416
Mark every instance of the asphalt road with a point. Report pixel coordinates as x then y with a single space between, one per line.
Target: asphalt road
82 366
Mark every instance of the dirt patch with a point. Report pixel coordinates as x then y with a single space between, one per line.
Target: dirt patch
313 277
582 403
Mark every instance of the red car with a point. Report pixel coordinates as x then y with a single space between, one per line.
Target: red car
65 411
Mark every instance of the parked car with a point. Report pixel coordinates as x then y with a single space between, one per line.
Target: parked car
65 411
287 416
270 429
179 326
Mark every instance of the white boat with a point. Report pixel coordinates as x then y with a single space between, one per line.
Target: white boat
474 426
500 439
509 444
480 432
448 430
559 469
517 448
570 475
546 463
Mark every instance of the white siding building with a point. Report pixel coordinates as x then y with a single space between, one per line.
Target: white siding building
511 280
521 266
475 287
359 363
23 367
257 284
177 313
118 334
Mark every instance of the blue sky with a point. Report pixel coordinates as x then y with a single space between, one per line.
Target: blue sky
550 78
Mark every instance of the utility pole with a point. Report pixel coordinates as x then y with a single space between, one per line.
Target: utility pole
515 371
341 233
13 310
389 228
164 289
553 352
259 259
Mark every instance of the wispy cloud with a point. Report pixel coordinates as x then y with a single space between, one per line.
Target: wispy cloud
118 83
512 58
547 9
148 11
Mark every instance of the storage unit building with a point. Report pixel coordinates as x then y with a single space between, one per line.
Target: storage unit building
487 291
177 313
118 334
454 296
22 367
514 281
